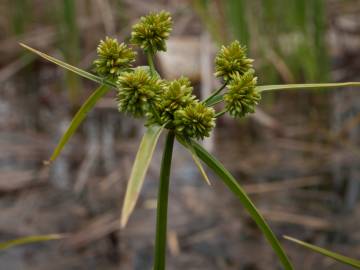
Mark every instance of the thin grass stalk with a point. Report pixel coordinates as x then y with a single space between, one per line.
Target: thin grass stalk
19 15
238 22
71 48
162 204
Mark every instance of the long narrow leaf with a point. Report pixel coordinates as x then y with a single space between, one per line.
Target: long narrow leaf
328 253
69 67
78 118
29 240
138 171
200 167
191 149
305 86
262 88
233 185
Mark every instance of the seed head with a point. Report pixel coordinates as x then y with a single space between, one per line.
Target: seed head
231 59
177 95
151 32
195 120
138 91
113 58
242 95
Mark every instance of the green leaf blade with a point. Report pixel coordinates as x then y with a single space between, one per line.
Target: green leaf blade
139 169
232 184
29 240
200 168
263 88
78 119
338 257
69 67
187 144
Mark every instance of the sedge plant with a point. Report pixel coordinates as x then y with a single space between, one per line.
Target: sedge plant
171 107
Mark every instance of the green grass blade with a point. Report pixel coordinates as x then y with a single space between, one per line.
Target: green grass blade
29 240
233 185
138 171
305 86
194 156
68 33
338 257
162 204
262 88
200 167
78 118
71 68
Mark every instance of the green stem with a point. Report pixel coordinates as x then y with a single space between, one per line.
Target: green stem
214 94
151 63
162 204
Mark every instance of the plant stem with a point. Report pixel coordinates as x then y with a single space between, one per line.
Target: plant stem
151 63
162 204
215 93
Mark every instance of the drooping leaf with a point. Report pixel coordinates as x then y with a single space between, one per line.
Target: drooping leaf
190 148
78 118
234 186
338 257
29 240
71 68
138 171
305 86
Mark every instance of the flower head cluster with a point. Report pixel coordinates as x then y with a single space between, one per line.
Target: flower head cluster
152 31
179 110
242 95
195 120
177 95
113 58
138 91
141 92
231 59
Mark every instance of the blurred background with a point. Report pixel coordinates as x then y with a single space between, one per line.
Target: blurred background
298 156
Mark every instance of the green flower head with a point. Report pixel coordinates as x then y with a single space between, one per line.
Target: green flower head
151 32
231 59
242 95
177 95
113 58
138 91
195 120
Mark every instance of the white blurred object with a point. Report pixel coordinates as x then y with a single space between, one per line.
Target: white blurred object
207 78
181 58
